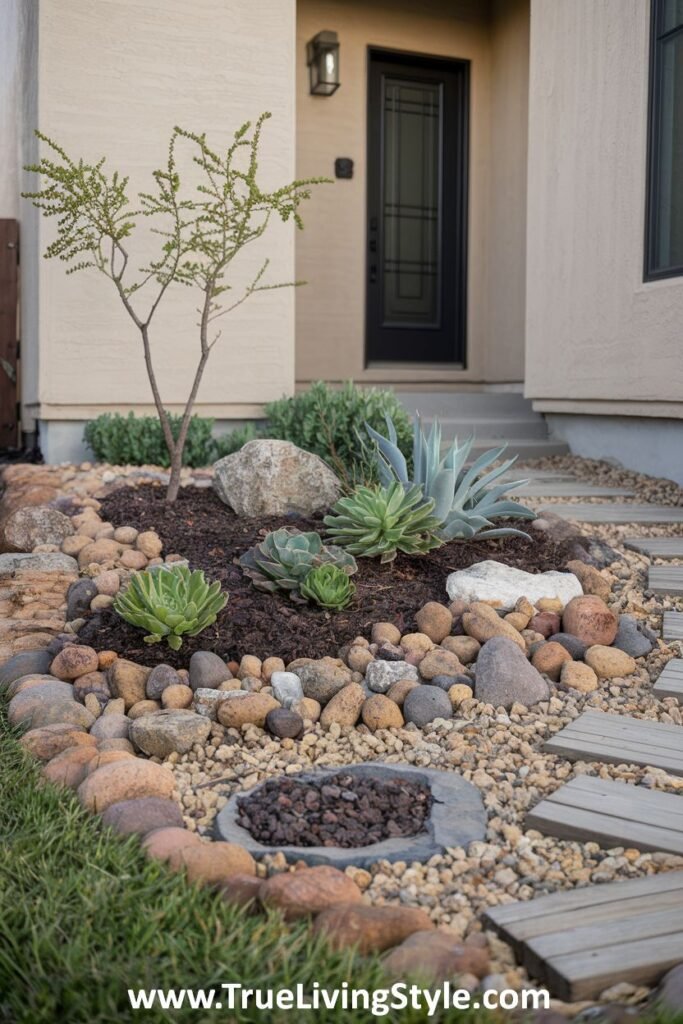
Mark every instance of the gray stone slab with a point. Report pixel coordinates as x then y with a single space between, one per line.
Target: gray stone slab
665 579
672 626
46 561
458 817
670 682
568 489
618 513
656 547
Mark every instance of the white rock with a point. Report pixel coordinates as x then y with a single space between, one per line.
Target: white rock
379 674
268 477
493 581
287 688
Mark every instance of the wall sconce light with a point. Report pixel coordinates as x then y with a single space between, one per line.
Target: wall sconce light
322 56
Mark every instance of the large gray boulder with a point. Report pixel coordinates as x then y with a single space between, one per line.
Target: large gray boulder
32 525
271 478
504 677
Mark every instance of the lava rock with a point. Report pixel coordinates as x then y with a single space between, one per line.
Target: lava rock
425 703
284 723
504 676
634 637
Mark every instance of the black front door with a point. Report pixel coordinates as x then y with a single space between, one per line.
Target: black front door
417 209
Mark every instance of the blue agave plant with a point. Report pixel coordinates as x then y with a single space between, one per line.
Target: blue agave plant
466 499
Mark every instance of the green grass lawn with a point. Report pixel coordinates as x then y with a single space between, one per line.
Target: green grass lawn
84 916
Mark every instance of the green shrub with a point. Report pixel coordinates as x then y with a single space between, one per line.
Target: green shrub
227 444
326 421
139 440
322 420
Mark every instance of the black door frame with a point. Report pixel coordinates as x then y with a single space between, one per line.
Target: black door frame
455 206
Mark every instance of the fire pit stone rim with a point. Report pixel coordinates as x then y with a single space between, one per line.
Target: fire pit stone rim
457 818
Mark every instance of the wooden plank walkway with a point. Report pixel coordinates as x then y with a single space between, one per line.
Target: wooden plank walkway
581 942
618 513
568 489
618 739
670 682
612 814
665 579
672 627
656 547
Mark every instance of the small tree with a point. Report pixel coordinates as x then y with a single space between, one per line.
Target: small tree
202 230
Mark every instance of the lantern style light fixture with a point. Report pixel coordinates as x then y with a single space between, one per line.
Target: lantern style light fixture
322 56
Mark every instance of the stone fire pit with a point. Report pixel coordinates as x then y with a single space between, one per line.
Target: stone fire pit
457 817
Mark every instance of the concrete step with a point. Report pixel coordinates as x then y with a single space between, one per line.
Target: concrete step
463 405
501 427
522 447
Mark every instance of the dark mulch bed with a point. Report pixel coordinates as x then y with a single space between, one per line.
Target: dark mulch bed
204 530
342 810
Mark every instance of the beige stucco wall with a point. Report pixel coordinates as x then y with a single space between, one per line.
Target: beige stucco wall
114 77
599 339
331 254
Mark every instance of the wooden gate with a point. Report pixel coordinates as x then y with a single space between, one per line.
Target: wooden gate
9 342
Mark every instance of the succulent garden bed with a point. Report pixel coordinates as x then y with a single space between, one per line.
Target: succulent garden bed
407 674
209 534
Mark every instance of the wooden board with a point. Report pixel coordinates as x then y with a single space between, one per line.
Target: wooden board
581 942
617 513
672 626
619 739
657 547
567 489
670 682
612 814
665 579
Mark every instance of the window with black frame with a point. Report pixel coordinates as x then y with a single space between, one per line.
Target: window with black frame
664 228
